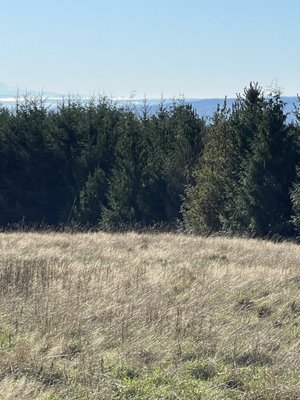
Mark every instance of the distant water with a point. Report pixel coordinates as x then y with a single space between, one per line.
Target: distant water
204 107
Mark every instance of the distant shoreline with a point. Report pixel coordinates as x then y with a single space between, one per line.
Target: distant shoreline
204 107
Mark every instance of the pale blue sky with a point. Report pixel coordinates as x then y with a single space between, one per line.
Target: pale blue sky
197 48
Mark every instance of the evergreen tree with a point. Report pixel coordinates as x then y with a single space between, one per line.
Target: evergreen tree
179 131
92 198
260 203
206 198
96 162
70 141
126 185
247 170
98 158
295 192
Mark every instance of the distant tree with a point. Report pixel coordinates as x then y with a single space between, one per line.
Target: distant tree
97 163
27 185
295 192
247 170
124 193
205 199
10 163
261 204
71 142
92 198
97 159
179 131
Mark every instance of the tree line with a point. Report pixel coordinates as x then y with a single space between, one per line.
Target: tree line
101 165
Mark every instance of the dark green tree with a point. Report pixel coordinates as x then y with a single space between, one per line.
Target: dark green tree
125 206
205 199
92 198
261 204
295 192
179 133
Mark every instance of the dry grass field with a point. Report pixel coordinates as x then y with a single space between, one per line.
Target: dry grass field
148 316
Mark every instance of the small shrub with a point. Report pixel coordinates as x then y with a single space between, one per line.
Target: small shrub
122 372
245 303
264 311
295 307
254 357
203 370
232 379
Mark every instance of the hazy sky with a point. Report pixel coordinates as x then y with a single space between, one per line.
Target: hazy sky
195 48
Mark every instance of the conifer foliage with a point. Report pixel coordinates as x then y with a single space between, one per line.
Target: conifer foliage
99 164
246 189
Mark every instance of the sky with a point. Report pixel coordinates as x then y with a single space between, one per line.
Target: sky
152 48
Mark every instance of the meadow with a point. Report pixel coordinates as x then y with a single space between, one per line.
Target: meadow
148 316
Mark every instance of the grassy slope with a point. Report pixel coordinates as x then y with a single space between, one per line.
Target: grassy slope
99 316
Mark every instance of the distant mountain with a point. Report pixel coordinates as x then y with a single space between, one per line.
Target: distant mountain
9 93
206 107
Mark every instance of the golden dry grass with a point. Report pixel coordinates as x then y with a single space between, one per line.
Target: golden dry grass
149 316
